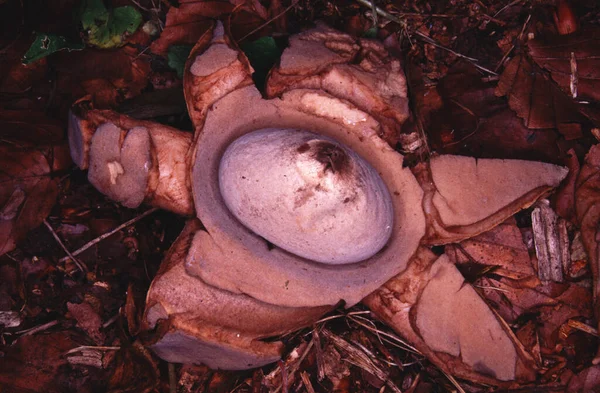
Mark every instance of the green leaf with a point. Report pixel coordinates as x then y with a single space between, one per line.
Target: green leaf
108 28
46 44
371 33
177 56
263 54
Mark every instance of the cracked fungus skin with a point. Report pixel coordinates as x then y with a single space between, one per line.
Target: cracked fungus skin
307 194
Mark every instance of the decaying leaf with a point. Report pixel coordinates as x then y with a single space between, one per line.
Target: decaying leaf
535 99
474 122
134 367
549 90
500 249
186 23
31 155
88 320
587 208
109 77
572 61
33 363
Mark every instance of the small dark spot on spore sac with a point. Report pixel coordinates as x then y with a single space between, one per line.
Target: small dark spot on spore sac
303 148
346 200
332 156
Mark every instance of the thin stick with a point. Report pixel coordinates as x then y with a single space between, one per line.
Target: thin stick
107 234
269 21
80 265
424 37
34 330
91 347
293 368
172 378
306 382
454 382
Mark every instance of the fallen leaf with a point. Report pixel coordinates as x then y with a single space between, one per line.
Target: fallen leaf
262 54
186 23
564 198
134 368
108 28
573 62
177 56
474 121
586 381
109 77
88 320
34 362
46 44
502 247
587 208
30 153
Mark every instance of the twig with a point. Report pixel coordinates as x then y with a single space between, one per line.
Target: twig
583 327
306 382
512 47
399 342
77 262
318 355
293 368
284 377
424 37
507 6
269 21
107 234
359 358
374 15
454 382
172 378
88 347
34 330
338 316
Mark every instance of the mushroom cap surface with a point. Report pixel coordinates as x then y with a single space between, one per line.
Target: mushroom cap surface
307 194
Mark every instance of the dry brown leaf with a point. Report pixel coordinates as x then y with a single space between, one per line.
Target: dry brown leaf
564 198
109 77
88 320
515 291
587 208
30 155
573 62
33 363
474 122
186 23
586 381
135 368
15 77
501 247
534 99
546 91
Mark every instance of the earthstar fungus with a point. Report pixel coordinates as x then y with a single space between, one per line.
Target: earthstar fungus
283 187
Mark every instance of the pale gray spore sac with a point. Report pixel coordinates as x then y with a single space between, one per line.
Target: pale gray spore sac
307 194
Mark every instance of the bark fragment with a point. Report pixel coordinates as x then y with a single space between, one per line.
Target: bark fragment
551 242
